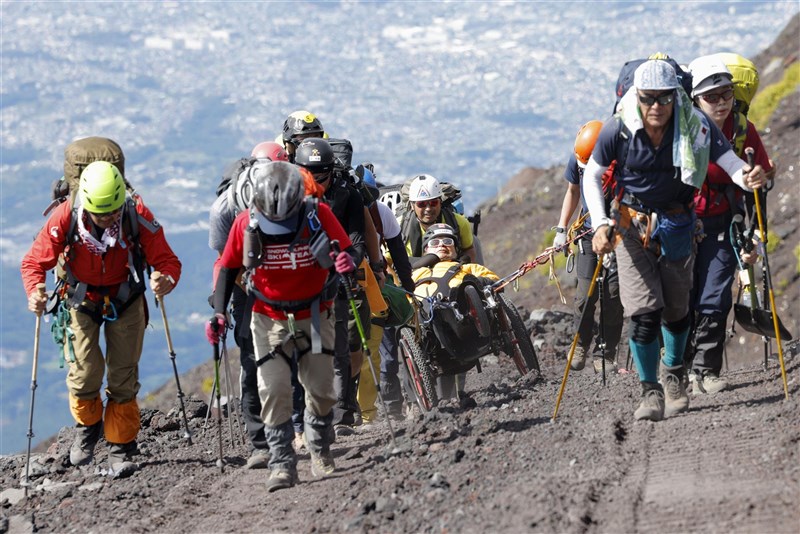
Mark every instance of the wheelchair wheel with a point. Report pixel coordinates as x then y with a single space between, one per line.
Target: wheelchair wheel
420 380
477 312
516 339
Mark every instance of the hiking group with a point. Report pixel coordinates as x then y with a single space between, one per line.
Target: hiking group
318 263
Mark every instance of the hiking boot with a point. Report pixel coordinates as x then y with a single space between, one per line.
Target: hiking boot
675 398
711 384
578 359
86 437
259 459
322 464
280 479
611 366
652 406
119 459
298 443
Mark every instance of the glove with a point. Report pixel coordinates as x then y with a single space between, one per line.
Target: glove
344 263
560 239
215 327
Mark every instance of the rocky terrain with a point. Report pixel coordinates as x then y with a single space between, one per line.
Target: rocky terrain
495 461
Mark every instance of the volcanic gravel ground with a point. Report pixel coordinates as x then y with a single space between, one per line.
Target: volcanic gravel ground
490 462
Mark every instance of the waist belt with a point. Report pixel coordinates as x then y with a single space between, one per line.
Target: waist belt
636 204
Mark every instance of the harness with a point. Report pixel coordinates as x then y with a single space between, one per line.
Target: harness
319 243
74 291
442 281
412 233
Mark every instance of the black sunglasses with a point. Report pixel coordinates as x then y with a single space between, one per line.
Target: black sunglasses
663 99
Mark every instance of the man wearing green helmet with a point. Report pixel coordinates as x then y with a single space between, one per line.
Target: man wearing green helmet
102 241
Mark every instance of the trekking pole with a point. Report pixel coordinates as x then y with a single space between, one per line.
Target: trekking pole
220 462
601 341
750 160
40 289
160 301
233 402
346 280
577 334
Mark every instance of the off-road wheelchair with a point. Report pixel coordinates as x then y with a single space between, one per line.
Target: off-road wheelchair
451 332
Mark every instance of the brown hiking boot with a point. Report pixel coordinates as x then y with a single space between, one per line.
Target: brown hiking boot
281 479
578 359
675 398
611 366
652 406
86 437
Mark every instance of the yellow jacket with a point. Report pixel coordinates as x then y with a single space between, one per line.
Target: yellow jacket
431 287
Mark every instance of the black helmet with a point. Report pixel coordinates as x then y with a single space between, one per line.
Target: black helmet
301 122
278 196
439 230
315 154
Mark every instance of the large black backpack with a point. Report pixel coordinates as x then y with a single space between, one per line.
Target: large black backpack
237 184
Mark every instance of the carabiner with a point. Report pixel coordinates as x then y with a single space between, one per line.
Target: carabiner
109 306
570 261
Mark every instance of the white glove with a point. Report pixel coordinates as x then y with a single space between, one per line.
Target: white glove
560 238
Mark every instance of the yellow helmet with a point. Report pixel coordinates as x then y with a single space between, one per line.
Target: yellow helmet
102 188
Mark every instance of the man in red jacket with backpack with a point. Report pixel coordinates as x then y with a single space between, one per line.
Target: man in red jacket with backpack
104 286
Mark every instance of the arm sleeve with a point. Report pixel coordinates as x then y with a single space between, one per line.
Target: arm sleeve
593 192
733 165
355 226
402 265
224 288
426 260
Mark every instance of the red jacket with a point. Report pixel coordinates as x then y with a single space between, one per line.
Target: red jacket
110 269
709 199
278 277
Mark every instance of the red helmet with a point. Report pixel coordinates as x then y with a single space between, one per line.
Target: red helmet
269 150
585 141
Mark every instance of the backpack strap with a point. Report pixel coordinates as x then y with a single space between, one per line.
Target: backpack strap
135 284
441 281
740 128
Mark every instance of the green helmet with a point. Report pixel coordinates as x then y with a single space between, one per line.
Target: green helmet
102 188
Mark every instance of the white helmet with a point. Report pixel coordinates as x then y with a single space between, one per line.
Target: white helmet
424 187
394 200
708 73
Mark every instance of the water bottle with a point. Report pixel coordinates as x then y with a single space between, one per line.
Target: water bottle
252 247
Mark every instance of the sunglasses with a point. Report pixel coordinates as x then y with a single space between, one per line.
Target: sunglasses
110 215
663 99
322 177
444 241
713 98
425 203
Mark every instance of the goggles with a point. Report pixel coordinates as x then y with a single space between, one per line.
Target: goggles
663 99
322 177
422 204
713 98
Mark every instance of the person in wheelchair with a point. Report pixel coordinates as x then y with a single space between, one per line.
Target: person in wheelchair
453 307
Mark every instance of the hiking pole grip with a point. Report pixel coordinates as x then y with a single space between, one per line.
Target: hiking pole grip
41 291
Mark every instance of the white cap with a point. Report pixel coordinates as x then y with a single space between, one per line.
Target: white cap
655 74
424 187
709 73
